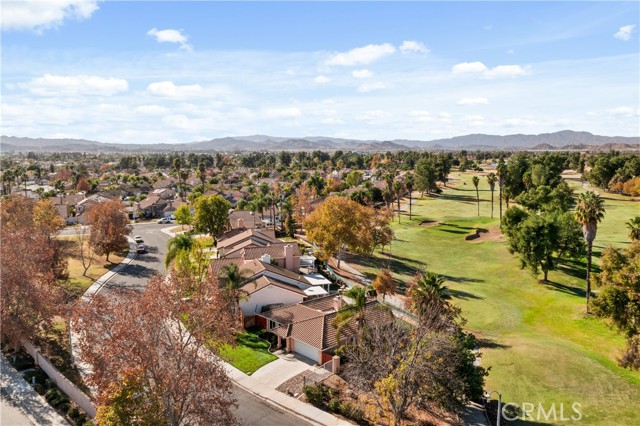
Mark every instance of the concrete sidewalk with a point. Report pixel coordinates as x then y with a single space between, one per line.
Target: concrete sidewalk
18 397
303 410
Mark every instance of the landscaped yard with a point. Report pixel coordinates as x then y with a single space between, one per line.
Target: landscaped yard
536 338
249 354
78 283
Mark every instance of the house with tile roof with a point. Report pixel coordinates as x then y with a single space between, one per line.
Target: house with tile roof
267 285
306 328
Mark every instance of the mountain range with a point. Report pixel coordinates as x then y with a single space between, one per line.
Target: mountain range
563 140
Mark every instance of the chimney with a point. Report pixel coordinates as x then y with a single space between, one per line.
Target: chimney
266 258
288 257
240 222
337 302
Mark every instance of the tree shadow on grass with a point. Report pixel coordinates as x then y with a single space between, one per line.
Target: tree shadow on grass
513 414
576 291
453 225
468 199
462 279
459 294
395 265
453 231
491 344
404 259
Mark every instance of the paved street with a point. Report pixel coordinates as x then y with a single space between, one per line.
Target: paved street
251 410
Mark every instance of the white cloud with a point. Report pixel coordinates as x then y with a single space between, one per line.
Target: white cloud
623 111
409 46
362 55
370 87
444 117
624 33
518 122
361 74
496 72
170 36
473 101
322 79
61 85
170 90
506 71
282 113
373 115
421 116
469 68
331 121
151 109
42 15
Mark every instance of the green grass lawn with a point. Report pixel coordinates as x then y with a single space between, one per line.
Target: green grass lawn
536 338
249 354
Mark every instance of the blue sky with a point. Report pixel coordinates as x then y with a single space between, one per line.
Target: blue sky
184 71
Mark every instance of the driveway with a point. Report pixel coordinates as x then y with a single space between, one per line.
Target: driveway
282 369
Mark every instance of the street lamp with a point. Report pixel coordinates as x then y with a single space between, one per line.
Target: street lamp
487 395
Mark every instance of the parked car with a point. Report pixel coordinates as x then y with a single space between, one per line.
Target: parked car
163 220
138 239
141 248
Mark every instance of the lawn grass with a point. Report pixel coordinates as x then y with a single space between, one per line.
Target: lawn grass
536 338
249 354
78 282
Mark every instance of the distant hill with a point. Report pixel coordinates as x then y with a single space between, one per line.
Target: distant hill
563 140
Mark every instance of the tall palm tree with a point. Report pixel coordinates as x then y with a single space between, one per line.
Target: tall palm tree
589 211
429 300
634 228
398 190
492 179
476 182
352 312
502 172
409 183
176 245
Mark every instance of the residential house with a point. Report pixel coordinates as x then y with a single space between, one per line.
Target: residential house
243 219
307 328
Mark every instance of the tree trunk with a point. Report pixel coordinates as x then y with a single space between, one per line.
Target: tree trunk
398 208
546 272
589 252
500 199
492 204
339 257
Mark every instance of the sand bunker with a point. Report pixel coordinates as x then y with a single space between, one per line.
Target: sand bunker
481 234
429 223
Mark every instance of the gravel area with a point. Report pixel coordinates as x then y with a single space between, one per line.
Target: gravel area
294 385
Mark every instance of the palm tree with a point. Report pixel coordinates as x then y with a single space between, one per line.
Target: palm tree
352 312
634 228
502 172
492 179
409 183
428 299
476 182
398 190
589 211
176 245
231 279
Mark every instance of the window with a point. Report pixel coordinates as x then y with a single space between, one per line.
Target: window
273 324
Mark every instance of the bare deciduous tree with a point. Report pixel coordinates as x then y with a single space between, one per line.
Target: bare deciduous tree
167 337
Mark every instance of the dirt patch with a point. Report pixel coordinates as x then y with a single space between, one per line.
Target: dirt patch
481 235
429 223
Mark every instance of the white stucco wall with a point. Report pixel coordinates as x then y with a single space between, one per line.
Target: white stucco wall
267 296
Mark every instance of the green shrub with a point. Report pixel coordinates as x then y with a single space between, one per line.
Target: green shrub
63 407
22 361
41 389
314 395
73 413
334 405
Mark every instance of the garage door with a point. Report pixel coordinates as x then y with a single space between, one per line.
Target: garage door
305 350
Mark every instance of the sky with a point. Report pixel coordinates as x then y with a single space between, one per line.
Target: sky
175 71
